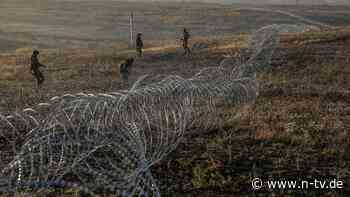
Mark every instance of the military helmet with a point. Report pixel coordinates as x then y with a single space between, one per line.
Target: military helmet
130 60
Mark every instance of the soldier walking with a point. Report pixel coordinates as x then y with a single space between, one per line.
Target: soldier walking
34 68
139 44
186 37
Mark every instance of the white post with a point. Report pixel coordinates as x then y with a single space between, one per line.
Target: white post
131 29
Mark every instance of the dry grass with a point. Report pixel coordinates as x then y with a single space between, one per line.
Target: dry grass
291 131
298 127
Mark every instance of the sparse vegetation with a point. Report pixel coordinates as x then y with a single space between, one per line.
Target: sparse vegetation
299 126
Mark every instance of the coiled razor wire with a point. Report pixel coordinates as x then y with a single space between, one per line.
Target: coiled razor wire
110 141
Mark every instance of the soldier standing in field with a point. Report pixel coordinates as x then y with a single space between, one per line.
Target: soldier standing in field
34 68
186 37
139 44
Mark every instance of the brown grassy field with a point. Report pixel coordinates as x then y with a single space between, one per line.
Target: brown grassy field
298 128
105 23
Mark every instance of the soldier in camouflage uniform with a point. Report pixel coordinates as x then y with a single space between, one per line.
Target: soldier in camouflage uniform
125 68
139 44
186 37
34 68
